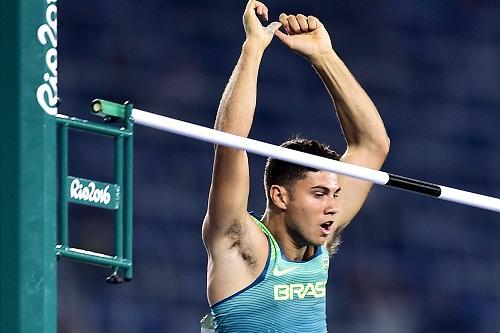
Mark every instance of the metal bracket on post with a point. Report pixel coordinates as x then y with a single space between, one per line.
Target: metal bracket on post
116 197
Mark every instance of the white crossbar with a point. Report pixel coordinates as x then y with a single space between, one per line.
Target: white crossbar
265 149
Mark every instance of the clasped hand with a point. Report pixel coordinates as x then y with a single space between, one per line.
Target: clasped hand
305 35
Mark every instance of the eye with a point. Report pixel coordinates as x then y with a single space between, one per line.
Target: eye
319 194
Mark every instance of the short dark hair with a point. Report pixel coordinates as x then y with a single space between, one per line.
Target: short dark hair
286 174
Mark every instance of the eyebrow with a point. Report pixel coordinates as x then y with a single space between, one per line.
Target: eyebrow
324 188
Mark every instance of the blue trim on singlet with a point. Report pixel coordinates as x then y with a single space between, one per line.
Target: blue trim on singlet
259 279
252 213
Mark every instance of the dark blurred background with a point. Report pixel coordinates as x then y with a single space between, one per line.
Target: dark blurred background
407 264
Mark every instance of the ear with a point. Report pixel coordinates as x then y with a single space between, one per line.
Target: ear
279 196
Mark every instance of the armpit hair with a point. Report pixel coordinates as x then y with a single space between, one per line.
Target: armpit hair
234 233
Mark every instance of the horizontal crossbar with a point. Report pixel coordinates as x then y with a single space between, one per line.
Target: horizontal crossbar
265 149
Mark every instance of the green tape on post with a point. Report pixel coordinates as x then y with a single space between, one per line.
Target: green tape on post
108 109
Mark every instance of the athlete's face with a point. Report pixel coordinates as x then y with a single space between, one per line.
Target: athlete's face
312 208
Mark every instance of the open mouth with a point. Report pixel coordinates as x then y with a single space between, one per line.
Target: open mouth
327 227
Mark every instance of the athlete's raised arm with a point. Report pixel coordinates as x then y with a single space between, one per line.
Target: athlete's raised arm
364 131
230 180
236 249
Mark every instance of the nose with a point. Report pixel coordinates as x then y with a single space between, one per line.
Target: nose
331 206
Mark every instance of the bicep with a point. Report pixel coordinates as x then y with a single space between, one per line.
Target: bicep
355 191
228 197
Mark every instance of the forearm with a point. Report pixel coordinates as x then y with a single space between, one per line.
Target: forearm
237 105
230 179
358 116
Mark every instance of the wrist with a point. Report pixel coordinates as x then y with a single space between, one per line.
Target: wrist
321 59
253 47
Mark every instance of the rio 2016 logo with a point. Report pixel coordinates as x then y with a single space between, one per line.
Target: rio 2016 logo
93 193
46 93
89 193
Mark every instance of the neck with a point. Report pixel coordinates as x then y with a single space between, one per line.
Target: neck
290 247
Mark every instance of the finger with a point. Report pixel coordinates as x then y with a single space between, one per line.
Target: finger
261 9
283 37
265 13
294 24
273 27
302 20
313 22
284 21
250 6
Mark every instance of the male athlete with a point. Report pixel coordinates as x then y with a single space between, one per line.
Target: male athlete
270 275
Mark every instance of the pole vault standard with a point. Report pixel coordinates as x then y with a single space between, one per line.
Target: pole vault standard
114 110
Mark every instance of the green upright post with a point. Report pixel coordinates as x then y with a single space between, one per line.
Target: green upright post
28 98
63 184
129 161
119 213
